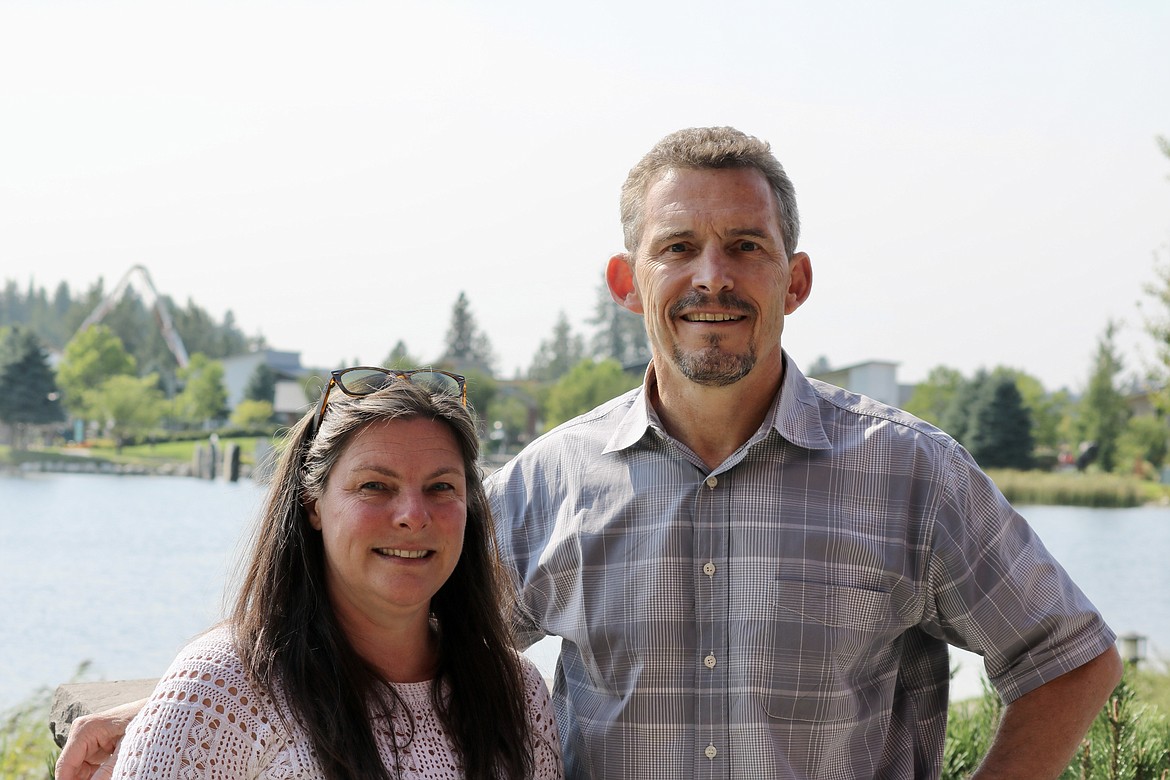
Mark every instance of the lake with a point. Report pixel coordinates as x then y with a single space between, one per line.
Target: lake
123 571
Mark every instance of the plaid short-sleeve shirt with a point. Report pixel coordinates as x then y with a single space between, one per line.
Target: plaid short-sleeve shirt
787 614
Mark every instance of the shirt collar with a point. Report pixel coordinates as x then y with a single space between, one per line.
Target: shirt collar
794 414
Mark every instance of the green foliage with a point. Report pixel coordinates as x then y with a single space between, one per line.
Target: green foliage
956 420
481 389
27 750
203 396
467 347
55 319
933 396
620 334
28 390
251 413
1067 488
1129 740
971 725
557 355
1142 446
516 408
400 357
999 428
588 384
127 406
261 385
1103 411
90 358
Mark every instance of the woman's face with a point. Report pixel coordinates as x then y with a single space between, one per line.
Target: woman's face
392 517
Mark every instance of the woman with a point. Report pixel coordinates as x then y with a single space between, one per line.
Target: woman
367 640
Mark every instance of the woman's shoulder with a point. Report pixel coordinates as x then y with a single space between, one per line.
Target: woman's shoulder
203 709
530 671
211 653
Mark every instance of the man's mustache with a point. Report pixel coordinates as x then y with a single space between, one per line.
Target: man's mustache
726 300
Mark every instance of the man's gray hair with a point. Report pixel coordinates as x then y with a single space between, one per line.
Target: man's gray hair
699 148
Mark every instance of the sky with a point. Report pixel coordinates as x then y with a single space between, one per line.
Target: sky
979 182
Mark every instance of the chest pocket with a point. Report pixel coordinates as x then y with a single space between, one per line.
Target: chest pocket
828 645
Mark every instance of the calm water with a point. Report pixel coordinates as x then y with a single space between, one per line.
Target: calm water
122 571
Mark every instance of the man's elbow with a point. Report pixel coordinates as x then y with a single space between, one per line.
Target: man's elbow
1102 674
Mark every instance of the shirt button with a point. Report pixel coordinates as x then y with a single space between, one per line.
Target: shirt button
709 662
709 569
712 481
711 752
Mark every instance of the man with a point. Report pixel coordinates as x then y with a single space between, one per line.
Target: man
755 575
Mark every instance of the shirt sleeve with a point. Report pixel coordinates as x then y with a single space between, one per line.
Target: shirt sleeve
542 725
998 592
202 720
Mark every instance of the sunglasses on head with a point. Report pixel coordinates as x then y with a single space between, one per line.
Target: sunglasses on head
365 380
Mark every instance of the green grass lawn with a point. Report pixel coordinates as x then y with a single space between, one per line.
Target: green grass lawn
138 454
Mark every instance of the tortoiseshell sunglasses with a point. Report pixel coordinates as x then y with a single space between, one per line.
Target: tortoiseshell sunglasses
364 380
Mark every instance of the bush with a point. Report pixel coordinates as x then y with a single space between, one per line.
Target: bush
27 750
1129 739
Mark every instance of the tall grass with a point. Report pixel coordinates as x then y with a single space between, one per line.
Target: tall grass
27 750
1072 488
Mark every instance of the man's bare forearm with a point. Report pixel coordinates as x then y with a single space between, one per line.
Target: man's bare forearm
1041 731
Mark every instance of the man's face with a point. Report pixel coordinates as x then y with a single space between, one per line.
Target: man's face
711 274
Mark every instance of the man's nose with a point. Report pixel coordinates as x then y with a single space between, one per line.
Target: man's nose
712 271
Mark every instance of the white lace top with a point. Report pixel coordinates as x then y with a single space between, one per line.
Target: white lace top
205 720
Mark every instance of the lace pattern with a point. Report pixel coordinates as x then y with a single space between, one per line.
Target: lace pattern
205 721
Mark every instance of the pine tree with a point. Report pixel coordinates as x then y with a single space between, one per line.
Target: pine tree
556 356
1103 409
467 347
999 431
28 390
620 334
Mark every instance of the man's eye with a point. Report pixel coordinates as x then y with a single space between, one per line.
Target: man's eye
677 248
748 246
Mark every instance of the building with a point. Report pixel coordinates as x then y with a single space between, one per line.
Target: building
877 379
290 401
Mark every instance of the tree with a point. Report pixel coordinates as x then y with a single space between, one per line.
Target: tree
400 357
620 335
957 417
261 385
467 347
588 384
1144 443
90 358
933 397
203 396
252 413
126 406
481 390
28 390
1103 412
557 355
999 430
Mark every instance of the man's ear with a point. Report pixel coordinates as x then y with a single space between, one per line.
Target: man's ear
314 517
619 275
799 282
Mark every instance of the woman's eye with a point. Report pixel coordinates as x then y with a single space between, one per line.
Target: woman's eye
372 486
440 487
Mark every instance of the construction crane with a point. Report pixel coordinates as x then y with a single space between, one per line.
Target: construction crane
169 334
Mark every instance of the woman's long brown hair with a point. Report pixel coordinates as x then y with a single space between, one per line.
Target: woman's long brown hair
292 644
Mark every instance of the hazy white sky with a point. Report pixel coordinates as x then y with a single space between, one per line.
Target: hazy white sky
979 181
